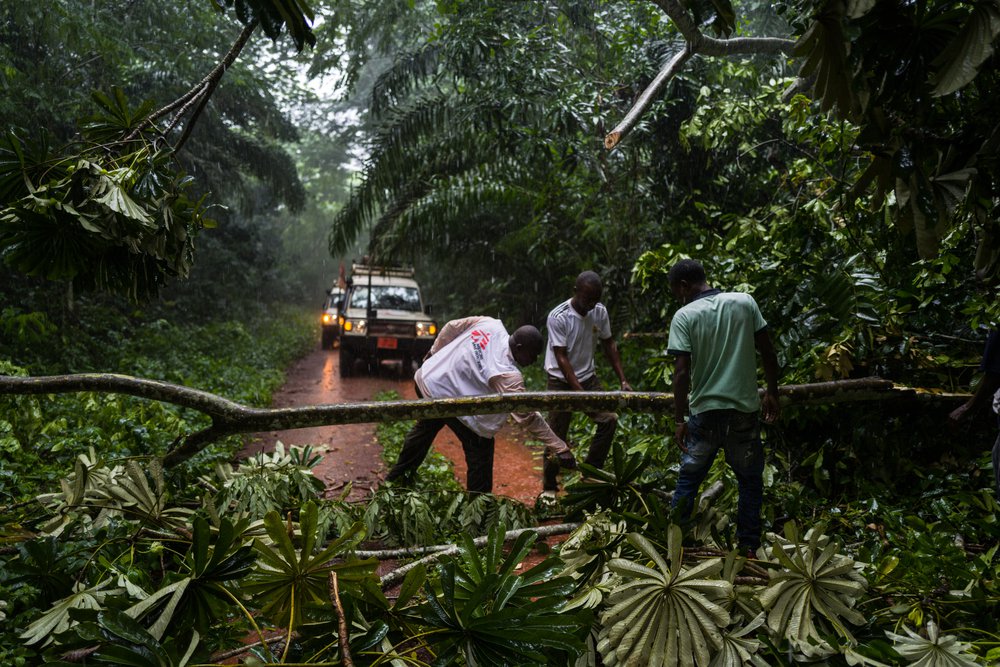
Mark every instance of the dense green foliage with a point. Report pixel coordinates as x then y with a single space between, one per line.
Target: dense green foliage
120 205
43 435
860 209
486 151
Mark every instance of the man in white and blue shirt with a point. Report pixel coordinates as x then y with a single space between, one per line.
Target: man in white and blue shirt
569 365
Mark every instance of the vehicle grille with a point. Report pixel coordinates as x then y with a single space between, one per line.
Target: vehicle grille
390 328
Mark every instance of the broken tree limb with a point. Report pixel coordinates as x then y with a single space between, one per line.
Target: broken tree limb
231 418
410 552
436 552
646 98
696 43
394 577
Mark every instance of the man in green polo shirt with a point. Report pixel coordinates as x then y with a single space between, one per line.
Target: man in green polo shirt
715 337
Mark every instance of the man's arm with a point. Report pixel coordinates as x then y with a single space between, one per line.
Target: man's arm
771 408
682 387
509 383
984 392
611 352
988 385
562 358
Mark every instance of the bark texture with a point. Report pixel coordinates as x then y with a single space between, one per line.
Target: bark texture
230 418
696 43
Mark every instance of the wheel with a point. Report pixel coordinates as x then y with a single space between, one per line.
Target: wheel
326 339
346 363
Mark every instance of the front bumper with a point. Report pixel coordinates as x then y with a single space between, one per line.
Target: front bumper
386 347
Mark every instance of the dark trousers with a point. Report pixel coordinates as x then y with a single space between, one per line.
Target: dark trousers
738 434
478 452
607 423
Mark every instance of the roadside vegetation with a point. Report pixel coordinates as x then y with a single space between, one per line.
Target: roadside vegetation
125 563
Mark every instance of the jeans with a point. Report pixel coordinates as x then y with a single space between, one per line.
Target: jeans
607 423
738 433
478 452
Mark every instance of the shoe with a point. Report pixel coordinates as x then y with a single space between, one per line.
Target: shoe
565 459
748 552
546 501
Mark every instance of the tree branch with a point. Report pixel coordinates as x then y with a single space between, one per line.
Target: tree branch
436 552
646 98
342 632
200 91
213 80
394 577
696 43
230 418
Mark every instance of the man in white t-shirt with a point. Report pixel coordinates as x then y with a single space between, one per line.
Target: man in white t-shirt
475 356
569 364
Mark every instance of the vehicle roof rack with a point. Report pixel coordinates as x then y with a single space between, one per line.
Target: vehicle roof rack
395 271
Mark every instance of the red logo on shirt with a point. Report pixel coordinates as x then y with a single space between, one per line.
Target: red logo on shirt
480 338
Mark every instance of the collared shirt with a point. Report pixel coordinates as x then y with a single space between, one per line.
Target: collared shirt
718 330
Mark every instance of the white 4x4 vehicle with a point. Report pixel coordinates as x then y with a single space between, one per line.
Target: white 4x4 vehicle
383 317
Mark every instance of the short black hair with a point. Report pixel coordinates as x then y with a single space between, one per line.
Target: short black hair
530 338
687 269
588 278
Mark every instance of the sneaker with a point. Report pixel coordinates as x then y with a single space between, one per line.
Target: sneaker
748 552
546 501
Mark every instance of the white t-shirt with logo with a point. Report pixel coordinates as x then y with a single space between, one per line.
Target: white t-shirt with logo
568 328
464 367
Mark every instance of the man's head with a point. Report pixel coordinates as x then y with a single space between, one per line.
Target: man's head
586 292
687 279
526 344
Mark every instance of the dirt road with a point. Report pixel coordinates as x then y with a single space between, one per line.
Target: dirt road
350 451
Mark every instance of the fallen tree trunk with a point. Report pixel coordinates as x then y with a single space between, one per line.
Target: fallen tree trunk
230 418
436 552
392 578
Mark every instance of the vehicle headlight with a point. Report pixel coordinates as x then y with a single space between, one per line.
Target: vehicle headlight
327 318
426 329
355 326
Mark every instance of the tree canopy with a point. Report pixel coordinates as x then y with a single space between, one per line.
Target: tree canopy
866 118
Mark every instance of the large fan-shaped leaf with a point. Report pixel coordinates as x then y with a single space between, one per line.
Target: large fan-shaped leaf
492 616
663 613
291 577
959 62
935 650
815 585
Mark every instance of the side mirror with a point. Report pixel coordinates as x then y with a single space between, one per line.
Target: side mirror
428 309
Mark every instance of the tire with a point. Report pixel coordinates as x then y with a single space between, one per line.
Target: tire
346 363
326 340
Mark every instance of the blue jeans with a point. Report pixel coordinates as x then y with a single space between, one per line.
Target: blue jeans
738 433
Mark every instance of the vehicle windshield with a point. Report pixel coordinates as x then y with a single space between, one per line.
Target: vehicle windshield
387 296
333 301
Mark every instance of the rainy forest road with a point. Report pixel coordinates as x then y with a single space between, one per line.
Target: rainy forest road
351 453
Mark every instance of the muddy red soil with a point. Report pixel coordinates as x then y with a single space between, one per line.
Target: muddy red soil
351 453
